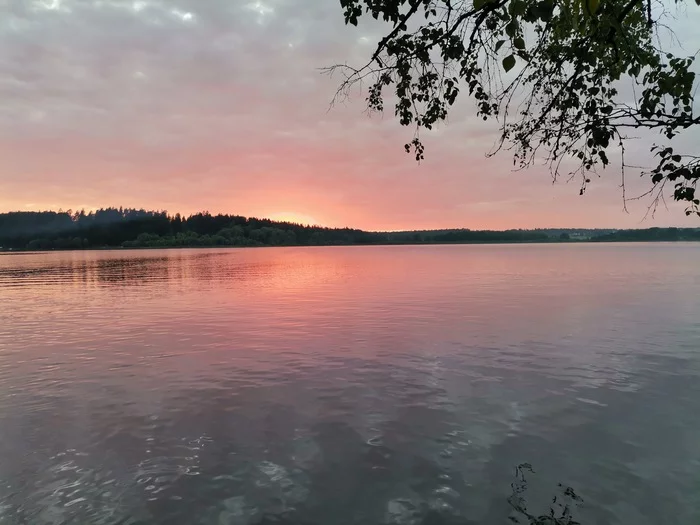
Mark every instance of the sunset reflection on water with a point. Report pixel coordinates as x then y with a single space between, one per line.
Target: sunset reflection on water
346 384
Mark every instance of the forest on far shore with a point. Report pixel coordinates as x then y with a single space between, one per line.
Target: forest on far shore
138 228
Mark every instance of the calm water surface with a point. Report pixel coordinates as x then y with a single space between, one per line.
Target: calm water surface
349 385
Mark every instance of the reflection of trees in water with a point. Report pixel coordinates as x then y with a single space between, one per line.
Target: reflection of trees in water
120 271
131 271
214 268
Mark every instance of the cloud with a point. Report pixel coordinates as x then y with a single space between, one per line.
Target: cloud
219 104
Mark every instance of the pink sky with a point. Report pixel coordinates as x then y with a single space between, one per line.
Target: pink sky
218 105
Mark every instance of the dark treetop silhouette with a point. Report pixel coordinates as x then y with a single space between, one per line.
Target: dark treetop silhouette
131 228
550 71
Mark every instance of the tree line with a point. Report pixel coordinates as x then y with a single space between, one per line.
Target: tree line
138 228
135 228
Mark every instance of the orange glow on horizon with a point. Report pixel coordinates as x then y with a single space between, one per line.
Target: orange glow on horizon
297 218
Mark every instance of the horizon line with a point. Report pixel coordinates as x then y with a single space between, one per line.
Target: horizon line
315 225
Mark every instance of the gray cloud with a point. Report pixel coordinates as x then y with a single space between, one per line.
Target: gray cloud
102 101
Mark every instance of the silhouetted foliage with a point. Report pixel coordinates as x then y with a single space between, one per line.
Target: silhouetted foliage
469 236
651 235
560 512
548 71
130 228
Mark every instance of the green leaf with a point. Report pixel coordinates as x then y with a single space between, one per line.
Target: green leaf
592 6
500 43
519 43
478 4
508 63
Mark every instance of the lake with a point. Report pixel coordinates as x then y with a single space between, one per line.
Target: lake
349 385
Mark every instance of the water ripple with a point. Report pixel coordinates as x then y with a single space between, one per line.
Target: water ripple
348 385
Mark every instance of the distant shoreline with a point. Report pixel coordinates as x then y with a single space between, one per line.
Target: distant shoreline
117 228
456 243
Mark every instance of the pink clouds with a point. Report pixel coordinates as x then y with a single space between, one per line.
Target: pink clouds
219 105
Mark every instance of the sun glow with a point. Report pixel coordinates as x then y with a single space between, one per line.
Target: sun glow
298 218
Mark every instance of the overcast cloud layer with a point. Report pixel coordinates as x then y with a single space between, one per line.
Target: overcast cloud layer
187 105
